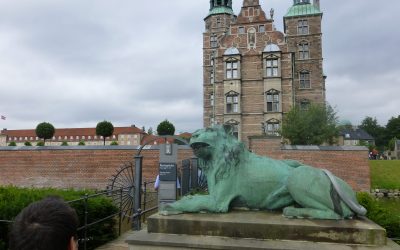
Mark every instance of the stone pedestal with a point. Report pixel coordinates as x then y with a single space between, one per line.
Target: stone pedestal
257 230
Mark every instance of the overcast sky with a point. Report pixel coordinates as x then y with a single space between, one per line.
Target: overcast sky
77 62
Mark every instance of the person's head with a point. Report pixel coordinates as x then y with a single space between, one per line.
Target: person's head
49 224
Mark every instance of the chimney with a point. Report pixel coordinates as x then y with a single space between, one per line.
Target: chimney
316 3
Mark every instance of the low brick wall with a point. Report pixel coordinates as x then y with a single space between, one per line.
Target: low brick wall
93 166
89 167
347 162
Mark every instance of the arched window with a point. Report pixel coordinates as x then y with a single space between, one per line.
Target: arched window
304 50
304 78
273 101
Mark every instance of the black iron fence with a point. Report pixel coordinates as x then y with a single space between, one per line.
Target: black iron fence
148 204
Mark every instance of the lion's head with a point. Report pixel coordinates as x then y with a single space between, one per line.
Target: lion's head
216 147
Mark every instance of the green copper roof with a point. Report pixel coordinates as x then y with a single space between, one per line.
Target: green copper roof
303 10
220 10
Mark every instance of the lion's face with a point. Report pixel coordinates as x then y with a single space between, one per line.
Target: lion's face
203 141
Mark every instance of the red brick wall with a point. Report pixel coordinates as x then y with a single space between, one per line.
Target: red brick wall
348 163
72 168
92 168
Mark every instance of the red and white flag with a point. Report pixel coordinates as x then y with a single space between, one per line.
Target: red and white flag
3 117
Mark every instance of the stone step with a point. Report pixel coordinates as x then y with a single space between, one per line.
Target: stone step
270 226
142 240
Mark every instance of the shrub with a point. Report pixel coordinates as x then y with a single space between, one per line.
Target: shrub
40 144
380 214
12 144
81 143
64 143
13 200
114 143
28 143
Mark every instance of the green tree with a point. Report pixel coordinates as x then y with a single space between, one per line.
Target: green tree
45 131
28 143
371 126
12 144
64 143
391 144
81 143
40 144
104 129
150 131
393 127
114 143
165 128
314 126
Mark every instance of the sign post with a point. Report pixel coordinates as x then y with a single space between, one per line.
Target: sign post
167 173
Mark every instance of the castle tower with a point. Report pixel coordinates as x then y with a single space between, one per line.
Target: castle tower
302 25
254 74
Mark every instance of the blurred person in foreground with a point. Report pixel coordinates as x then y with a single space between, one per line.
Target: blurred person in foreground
48 224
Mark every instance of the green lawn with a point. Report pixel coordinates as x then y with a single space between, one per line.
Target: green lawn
385 174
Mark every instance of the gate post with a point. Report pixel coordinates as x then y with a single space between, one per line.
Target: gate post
138 189
194 175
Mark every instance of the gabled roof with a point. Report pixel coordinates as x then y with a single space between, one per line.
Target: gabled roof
356 134
303 10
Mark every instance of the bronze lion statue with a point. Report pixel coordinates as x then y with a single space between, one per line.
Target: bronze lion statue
239 178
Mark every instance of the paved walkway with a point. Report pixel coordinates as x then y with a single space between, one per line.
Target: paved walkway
118 244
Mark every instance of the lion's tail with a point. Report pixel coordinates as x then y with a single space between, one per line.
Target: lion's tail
351 203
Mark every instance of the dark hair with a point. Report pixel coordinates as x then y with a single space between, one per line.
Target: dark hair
48 224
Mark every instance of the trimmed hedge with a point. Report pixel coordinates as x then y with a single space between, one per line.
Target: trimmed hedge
13 200
380 213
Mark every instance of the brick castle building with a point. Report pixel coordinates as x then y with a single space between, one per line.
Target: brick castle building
253 73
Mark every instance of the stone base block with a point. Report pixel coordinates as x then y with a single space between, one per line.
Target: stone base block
257 230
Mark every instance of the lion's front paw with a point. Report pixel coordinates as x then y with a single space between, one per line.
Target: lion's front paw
166 209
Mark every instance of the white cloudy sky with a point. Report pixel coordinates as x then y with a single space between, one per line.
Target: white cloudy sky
77 62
